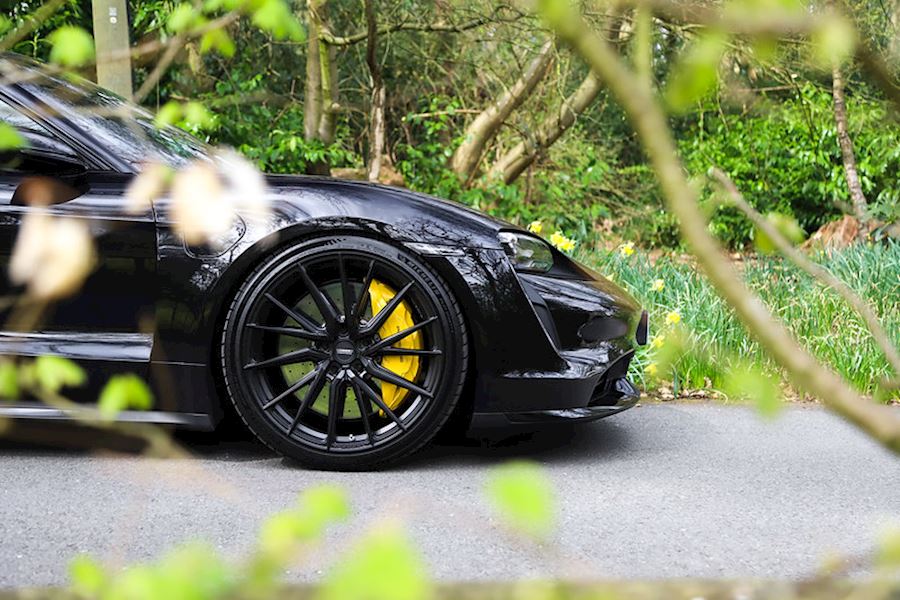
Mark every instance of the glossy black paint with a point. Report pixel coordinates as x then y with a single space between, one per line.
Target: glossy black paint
532 360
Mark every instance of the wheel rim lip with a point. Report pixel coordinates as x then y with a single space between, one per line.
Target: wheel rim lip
258 387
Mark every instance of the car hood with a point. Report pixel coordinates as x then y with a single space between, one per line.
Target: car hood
400 213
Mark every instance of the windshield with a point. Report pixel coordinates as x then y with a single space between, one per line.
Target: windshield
125 130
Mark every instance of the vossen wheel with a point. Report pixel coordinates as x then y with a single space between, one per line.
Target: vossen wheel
344 353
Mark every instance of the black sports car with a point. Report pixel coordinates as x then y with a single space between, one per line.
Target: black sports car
346 331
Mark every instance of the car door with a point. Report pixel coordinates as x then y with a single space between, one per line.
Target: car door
108 325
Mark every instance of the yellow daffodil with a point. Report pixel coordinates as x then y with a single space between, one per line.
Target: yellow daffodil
657 341
651 369
627 249
658 285
562 242
536 227
673 318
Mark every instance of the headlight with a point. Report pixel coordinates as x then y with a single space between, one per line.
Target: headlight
526 252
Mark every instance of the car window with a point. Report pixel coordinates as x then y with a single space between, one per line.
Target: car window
38 139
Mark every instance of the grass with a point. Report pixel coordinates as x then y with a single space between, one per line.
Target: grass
818 317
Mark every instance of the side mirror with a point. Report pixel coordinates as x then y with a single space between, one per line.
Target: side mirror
38 190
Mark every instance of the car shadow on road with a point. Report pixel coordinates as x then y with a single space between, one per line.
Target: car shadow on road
559 443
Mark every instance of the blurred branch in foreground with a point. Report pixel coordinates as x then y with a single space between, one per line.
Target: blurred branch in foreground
651 124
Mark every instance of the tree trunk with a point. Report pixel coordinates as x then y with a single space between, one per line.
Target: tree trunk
485 126
376 114
519 158
860 206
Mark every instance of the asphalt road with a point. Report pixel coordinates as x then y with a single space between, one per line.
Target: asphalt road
660 491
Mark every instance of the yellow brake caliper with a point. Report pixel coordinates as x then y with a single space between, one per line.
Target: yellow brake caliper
401 319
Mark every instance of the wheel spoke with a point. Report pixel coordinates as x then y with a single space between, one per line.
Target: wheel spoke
337 394
374 397
377 320
364 408
296 314
383 374
296 332
295 356
292 389
396 337
406 352
346 293
323 302
363 299
311 394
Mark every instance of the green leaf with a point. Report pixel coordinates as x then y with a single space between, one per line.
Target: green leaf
9 381
6 24
88 578
181 18
786 225
384 566
275 17
560 15
325 504
52 373
196 115
168 114
523 495
696 72
833 41
10 138
750 382
72 46
124 392
889 548
316 508
218 40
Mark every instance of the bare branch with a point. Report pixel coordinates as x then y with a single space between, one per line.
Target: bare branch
816 270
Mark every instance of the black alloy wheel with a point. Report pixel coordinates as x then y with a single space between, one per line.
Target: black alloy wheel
344 353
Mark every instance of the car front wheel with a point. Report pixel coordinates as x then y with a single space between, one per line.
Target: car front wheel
344 353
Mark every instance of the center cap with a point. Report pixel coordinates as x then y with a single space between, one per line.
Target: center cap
344 352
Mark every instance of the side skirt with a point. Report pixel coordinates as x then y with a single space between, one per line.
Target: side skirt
36 411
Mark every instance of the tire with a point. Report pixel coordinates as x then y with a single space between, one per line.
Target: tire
344 353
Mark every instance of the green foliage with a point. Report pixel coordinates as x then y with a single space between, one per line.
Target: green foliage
718 342
9 381
384 566
786 225
124 392
522 494
10 139
72 46
745 381
696 74
51 374
785 158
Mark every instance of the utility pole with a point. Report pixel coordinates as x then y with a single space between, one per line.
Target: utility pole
111 40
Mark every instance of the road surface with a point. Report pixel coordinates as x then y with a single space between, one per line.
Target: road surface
659 491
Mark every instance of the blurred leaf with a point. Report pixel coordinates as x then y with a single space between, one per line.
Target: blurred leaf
384 566
696 72
168 114
889 548
182 17
5 24
9 381
522 494
218 40
124 392
88 578
561 15
72 46
10 138
833 41
786 225
197 115
317 508
52 373
750 382
275 17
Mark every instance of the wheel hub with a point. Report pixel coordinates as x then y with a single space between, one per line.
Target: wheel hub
344 352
